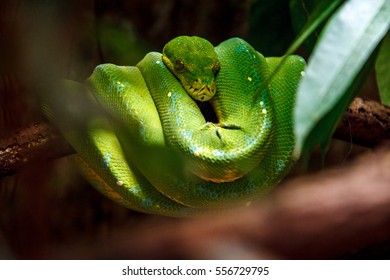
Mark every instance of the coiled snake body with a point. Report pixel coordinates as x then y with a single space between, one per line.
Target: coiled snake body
143 141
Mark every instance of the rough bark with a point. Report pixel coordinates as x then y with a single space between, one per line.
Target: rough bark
39 142
366 123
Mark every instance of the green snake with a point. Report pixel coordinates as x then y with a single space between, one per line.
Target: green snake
142 140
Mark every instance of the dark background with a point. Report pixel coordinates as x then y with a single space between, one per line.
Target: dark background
48 210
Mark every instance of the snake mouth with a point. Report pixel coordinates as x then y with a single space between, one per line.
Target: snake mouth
202 92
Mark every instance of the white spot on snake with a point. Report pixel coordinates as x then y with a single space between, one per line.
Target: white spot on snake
303 73
120 86
261 103
169 94
197 151
249 79
178 120
134 189
280 165
142 131
267 124
250 140
172 107
264 111
157 61
219 154
241 49
119 183
186 134
106 160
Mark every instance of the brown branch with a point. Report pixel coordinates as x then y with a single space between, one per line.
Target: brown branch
366 123
326 215
40 142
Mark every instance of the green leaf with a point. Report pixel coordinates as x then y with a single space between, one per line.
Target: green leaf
307 17
382 68
346 44
319 15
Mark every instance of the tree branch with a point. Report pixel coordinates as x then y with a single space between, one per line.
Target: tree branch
366 123
39 142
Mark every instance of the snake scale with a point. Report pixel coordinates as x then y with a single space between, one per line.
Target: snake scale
142 140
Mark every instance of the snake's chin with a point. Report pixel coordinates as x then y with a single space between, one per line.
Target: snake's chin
203 92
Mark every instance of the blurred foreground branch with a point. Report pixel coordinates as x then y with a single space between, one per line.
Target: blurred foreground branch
366 123
326 215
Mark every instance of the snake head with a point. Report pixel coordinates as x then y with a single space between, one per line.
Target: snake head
194 62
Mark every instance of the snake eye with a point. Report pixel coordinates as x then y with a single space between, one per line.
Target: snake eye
216 67
179 65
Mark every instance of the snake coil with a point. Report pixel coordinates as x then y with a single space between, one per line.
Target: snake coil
142 140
